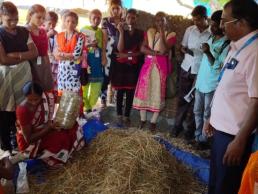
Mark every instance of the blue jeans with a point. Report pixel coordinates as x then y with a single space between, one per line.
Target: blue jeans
202 111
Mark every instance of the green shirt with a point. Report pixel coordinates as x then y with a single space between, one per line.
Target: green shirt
207 77
98 35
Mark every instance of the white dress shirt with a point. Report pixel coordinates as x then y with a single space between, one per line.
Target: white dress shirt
193 39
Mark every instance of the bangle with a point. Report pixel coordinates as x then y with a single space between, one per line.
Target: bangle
20 56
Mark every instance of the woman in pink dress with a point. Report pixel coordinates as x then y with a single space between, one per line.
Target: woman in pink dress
151 86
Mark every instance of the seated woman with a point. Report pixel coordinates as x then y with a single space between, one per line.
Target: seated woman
37 134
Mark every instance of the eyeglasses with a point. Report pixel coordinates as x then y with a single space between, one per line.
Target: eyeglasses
228 22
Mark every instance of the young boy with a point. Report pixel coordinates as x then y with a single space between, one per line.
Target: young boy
215 51
194 36
49 25
94 42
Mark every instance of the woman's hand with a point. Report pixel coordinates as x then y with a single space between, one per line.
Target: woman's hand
57 126
53 125
93 44
13 55
103 59
120 27
51 33
161 29
157 53
66 56
122 55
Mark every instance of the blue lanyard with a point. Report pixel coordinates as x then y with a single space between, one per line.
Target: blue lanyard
229 65
247 43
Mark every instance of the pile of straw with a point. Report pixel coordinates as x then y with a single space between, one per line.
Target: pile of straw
120 162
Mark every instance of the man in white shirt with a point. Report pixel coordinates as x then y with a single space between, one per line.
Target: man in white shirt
234 109
194 37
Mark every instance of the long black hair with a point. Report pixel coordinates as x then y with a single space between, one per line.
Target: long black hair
8 8
199 10
32 87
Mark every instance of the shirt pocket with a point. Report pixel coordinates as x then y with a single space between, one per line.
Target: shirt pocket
239 80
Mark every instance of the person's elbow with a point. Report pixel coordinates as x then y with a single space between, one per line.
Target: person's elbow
27 138
5 61
120 48
35 53
142 49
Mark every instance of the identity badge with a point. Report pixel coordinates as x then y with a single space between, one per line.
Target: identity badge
130 56
74 72
97 54
232 63
39 60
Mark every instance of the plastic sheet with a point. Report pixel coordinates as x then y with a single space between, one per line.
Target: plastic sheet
92 128
68 110
200 166
22 180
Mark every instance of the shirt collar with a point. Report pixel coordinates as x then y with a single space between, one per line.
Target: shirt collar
205 31
238 44
223 38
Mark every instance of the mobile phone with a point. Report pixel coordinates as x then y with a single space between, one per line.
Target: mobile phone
165 21
189 51
127 27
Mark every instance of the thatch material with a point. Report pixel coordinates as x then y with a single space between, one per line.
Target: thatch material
170 108
121 162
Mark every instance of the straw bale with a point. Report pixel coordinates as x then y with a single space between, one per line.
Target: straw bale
120 162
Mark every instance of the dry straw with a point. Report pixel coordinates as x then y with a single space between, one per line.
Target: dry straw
120 162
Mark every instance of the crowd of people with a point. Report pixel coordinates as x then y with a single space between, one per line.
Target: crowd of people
220 67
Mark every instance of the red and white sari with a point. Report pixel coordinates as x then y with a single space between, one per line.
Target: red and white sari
57 146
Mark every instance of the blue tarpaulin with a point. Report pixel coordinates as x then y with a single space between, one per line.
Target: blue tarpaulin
92 128
199 165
